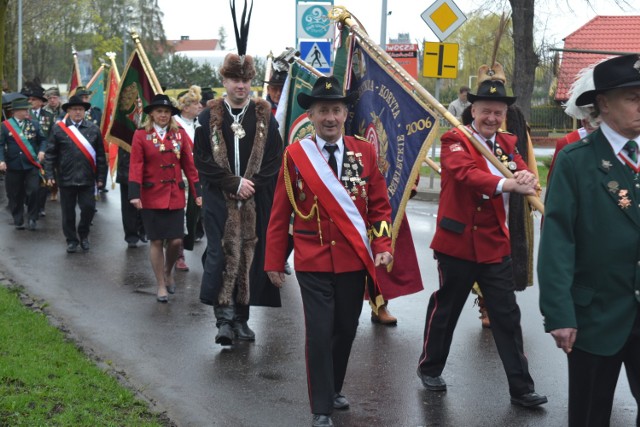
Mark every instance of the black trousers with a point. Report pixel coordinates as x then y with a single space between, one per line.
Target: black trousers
332 306
445 305
22 188
84 197
131 219
593 379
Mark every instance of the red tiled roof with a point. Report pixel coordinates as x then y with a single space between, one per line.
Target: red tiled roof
603 33
191 45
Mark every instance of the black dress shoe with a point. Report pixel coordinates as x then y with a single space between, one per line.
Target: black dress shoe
340 402
32 225
243 332
320 420
84 244
72 247
143 238
432 383
20 226
529 399
132 245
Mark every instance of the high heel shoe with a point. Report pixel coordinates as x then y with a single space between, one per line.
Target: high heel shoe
171 289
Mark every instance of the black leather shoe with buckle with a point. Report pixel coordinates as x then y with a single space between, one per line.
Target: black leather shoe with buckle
529 400
320 420
432 383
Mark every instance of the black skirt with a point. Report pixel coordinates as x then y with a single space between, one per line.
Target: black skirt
160 224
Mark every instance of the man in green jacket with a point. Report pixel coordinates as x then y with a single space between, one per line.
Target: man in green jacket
589 258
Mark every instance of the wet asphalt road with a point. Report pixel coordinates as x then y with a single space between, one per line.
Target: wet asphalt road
106 298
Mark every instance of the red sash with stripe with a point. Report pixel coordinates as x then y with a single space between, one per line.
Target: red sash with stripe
334 198
17 137
79 144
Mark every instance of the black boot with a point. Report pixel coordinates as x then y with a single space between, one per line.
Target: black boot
224 322
241 329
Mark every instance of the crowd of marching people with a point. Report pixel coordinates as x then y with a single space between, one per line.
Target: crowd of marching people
200 166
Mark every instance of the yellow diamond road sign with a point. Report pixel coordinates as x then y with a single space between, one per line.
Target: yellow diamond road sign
443 17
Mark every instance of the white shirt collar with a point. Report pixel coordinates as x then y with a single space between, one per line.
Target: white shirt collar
616 140
320 143
161 130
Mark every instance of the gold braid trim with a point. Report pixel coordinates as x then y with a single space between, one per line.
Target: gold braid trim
292 200
380 229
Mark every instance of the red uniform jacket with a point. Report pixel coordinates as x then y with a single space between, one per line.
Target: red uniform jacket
569 138
471 217
335 254
155 177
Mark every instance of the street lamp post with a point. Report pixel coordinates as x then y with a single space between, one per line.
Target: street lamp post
383 26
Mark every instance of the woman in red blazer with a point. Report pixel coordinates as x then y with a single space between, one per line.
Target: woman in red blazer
160 153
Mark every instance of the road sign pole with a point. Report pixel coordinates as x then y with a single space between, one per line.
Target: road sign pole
432 175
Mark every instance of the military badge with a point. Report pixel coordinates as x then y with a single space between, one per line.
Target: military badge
606 165
623 199
613 186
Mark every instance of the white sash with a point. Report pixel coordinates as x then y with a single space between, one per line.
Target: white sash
84 142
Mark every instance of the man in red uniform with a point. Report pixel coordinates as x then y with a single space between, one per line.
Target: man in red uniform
339 196
471 242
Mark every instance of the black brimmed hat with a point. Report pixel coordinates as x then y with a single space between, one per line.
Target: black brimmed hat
34 92
491 90
74 101
621 71
161 100
277 78
325 89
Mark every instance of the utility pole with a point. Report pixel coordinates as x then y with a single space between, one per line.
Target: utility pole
383 26
19 80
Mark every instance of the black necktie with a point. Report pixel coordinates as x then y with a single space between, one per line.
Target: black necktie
333 164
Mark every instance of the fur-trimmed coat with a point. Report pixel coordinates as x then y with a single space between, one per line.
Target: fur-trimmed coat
236 234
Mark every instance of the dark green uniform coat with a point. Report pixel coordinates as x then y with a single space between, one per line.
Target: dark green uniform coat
589 256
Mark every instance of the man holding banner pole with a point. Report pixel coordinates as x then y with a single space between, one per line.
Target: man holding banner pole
471 242
333 185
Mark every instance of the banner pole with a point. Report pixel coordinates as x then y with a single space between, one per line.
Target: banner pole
145 63
341 14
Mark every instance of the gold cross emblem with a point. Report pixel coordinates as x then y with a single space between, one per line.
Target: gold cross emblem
327 85
493 89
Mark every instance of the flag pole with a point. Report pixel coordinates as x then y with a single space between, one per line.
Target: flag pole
95 76
76 64
112 58
145 63
267 75
341 14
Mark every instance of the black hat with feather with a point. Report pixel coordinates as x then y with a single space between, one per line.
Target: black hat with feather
239 65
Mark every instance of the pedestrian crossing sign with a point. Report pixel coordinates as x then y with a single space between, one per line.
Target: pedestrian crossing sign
317 53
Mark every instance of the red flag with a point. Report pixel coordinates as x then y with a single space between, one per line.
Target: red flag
111 92
74 82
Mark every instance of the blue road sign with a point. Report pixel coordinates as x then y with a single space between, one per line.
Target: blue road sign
317 53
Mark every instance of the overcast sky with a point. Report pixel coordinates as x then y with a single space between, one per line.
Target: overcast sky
273 21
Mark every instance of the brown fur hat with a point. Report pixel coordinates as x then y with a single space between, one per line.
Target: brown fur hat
236 66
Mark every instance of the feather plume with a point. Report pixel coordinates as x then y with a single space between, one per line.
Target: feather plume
502 27
242 33
582 83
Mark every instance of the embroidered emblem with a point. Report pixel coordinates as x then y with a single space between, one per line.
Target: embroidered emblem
456 147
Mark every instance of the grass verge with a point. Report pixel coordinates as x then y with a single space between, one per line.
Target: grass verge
46 380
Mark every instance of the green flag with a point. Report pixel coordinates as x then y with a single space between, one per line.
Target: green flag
97 87
297 124
134 93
